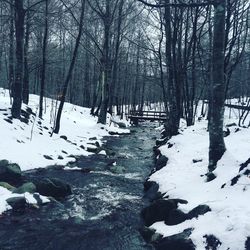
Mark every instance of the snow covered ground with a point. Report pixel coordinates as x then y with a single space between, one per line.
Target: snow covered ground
184 179
27 144
31 145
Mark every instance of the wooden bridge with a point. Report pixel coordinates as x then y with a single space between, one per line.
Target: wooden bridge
135 116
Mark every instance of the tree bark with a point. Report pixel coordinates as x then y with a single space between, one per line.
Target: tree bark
44 60
106 65
172 124
216 138
18 83
11 50
26 68
71 68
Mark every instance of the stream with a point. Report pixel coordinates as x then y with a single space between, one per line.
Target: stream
103 212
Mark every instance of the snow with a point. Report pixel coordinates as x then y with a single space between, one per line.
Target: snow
29 144
6 194
72 168
23 144
184 179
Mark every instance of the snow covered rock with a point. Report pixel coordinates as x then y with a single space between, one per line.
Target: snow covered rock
199 210
149 235
179 241
17 203
175 217
151 190
161 162
158 211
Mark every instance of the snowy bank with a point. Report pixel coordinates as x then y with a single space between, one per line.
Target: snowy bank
227 195
31 145
28 141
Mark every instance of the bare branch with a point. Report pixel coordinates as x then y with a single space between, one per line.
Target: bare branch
176 5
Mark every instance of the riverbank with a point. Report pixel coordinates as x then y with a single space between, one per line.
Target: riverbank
190 212
103 211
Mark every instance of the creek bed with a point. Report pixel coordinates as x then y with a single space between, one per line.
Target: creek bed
103 212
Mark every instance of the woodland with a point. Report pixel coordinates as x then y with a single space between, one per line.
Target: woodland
115 53
72 73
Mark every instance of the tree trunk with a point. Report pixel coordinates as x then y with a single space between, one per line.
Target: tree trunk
26 69
216 139
71 68
172 124
115 62
18 83
106 63
44 59
11 50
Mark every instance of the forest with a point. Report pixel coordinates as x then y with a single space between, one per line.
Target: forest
97 62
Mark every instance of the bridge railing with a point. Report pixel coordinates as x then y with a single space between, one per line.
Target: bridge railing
154 115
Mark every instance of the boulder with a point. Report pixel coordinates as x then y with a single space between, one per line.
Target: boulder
197 211
7 186
161 162
210 176
176 242
157 151
26 187
152 193
3 163
161 142
175 217
212 242
149 234
53 187
93 149
148 184
158 211
10 173
17 203
247 243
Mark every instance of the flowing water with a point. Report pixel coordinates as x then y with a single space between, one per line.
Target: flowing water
103 213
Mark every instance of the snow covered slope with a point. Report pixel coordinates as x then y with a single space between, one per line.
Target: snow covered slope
31 145
227 196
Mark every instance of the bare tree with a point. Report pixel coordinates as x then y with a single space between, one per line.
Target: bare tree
18 83
71 68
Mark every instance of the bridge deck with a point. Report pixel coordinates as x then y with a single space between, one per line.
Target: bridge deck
135 116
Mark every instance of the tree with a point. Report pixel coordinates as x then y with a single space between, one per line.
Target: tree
26 67
11 48
218 87
70 71
44 59
18 82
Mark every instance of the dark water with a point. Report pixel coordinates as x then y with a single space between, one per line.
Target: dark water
104 210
